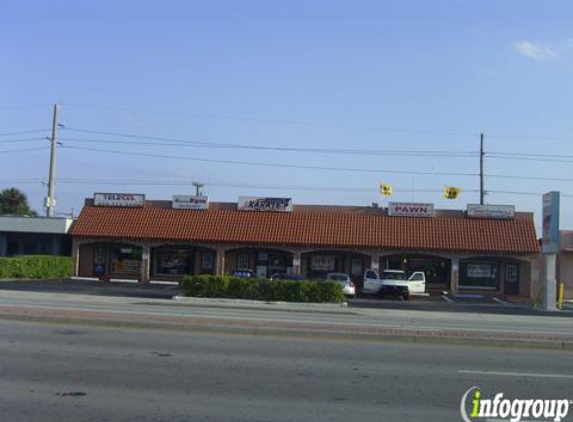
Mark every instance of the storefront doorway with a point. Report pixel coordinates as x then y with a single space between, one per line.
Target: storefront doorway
262 262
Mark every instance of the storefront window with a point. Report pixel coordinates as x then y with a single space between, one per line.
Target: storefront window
322 263
174 261
357 265
207 261
126 260
99 260
479 275
243 261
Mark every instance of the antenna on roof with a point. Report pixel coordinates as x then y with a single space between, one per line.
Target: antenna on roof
198 185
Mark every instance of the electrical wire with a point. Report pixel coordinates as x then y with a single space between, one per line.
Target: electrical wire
274 121
181 142
12 151
274 165
22 132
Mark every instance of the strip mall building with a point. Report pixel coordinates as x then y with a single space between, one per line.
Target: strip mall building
125 236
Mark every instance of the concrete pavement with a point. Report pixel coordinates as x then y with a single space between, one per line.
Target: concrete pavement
53 373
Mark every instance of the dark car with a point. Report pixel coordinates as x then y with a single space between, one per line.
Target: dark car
242 273
287 276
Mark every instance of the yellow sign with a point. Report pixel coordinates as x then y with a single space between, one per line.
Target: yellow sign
451 192
385 189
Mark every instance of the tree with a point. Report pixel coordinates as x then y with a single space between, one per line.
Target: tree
13 201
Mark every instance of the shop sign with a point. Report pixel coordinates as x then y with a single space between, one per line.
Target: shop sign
119 199
498 212
189 202
550 237
247 203
407 209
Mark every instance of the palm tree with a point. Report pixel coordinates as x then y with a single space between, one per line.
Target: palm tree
13 201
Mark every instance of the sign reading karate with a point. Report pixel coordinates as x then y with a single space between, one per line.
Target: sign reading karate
189 202
407 209
119 199
246 203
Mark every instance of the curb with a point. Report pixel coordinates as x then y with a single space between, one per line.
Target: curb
258 304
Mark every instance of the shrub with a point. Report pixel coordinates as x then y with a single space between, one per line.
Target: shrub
36 266
259 289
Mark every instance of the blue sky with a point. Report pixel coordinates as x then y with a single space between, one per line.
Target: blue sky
361 75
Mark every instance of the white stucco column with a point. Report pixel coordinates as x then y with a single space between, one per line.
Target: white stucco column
75 258
375 262
145 263
296 263
220 261
455 276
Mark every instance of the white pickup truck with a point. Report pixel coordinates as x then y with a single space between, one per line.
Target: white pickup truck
393 283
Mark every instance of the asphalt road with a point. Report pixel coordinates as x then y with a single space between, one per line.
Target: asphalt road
79 373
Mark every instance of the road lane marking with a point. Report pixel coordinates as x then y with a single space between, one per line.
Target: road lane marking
447 299
516 374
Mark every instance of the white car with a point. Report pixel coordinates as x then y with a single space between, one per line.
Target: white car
394 283
348 287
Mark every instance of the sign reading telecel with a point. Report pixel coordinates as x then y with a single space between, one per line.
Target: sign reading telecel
119 199
264 204
499 212
189 202
406 209
550 238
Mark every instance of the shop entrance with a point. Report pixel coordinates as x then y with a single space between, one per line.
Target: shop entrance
262 262
436 269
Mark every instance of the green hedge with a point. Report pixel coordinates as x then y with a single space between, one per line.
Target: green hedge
260 289
36 266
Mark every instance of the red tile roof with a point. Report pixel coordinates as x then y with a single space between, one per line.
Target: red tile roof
313 229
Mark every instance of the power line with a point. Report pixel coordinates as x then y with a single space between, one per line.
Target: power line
274 165
319 124
12 151
22 132
14 141
6 107
520 158
296 166
273 121
182 142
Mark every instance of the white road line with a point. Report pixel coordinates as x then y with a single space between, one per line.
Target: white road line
498 300
517 374
447 299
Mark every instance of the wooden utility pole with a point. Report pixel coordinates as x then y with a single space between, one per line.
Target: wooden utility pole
481 181
51 199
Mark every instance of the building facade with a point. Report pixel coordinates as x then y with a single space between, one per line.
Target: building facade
34 236
158 241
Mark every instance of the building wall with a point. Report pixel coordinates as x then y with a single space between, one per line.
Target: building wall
566 273
86 262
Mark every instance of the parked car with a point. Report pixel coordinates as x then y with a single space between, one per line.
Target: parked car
287 276
348 287
394 283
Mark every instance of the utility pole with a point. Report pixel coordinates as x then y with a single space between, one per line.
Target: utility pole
198 186
50 202
481 157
